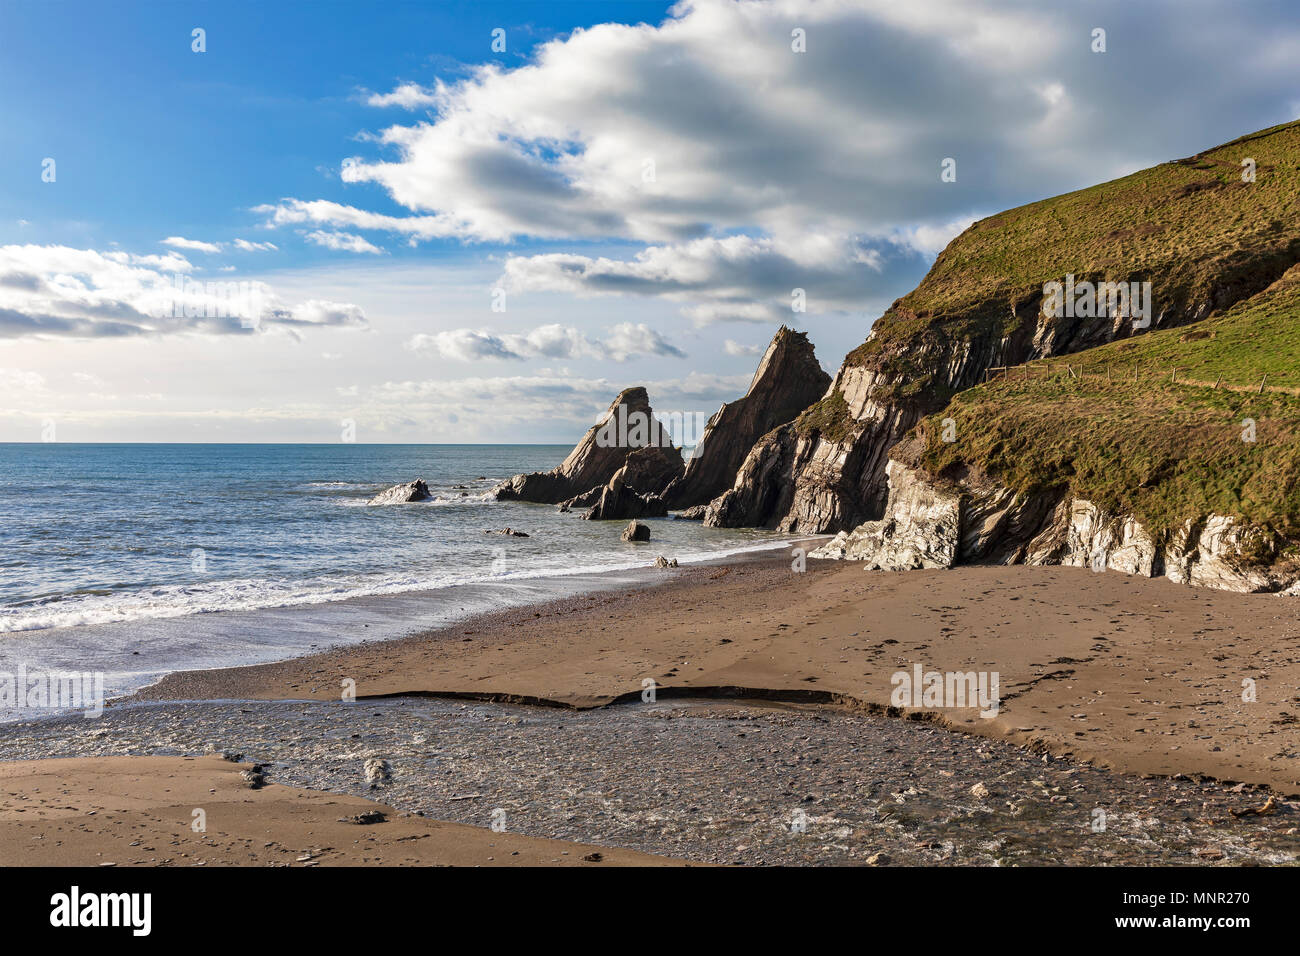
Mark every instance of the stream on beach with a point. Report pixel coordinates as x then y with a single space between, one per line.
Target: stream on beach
712 781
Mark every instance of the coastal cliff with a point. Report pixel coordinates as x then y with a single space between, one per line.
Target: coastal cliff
934 524
1202 237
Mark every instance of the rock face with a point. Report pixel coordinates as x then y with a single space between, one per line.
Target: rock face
764 485
636 531
627 426
920 529
787 381
938 524
400 494
969 316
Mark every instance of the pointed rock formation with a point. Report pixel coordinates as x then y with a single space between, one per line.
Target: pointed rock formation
787 381
627 439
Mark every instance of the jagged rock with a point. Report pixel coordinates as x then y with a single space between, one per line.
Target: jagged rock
620 498
662 562
509 532
763 487
693 513
636 531
400 494
628 424
929 523
920 528
617 500
788 380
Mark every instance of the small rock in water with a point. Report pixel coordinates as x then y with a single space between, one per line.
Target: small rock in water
662 562
509 532
378 772
400 494
636 531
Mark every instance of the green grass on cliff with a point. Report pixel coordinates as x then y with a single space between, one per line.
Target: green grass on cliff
1192 227
1161 450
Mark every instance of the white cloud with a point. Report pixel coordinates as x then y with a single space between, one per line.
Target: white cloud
625 340
342 242
708 127
244 245
408 96
194 245
732 347
738 278
81 293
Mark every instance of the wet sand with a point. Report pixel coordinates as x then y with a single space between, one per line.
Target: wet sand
120 811
1143 676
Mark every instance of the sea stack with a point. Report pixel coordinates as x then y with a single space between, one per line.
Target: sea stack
627 434
788 379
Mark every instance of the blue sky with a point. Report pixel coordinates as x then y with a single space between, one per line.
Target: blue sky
443 242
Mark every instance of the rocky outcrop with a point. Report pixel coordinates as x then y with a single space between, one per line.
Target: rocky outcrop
788 380
764 485
929 523
619 499
627 426
400 494
636 531
920 529
984 306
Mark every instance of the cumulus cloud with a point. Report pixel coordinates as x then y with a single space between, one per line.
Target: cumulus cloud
710 126
738 278
64 292
625 340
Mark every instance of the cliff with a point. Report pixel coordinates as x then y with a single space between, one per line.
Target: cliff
1204 238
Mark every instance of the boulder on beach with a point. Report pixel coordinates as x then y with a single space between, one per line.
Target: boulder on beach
636 531
400 494
662 562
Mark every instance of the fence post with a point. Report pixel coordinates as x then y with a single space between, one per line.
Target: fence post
1261 384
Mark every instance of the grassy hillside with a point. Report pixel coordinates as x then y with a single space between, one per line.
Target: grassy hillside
1162 450
1204 239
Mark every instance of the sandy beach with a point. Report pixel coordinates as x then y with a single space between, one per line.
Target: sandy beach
1142 676
750 709
140 811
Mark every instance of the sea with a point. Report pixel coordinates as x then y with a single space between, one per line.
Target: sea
136 560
